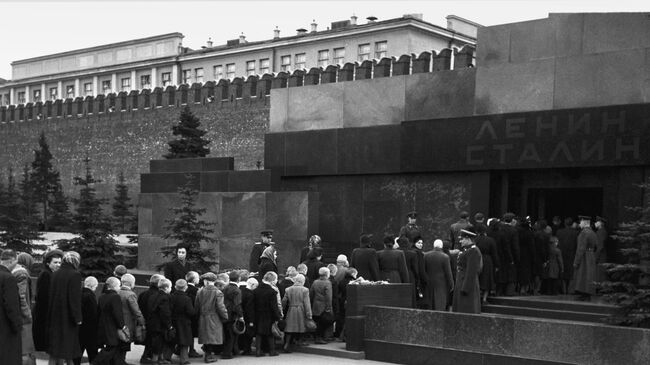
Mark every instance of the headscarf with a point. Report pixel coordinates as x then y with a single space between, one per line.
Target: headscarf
268 253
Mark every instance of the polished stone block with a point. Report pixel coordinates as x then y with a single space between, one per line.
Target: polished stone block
279 112
495 45
476 333
192 164
215 181
354 333
311 153
289 212
608 32
368 150
555 340
274 149
568 33
431 331
149 251
440 94
244 214
531 40
144 214
316 107
390 295
374 102
166 182
253 180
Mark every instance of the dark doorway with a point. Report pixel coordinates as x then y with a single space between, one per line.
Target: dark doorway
564 202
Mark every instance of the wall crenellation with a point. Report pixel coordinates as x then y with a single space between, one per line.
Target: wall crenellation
254 89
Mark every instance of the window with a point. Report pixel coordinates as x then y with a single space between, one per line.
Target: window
285 63
198 73
230 71
218 72
107 88
21 97
301 60
88 89
54 93
265 66
145 82
364 52
339 56
37 95
5 99
187 76
69 91
166 78
250 68
380 49
323 58
126 84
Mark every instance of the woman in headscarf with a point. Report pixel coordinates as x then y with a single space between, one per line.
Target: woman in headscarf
298 309
321 297
268 261
22 274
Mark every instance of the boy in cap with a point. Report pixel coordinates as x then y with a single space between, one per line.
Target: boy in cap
258 248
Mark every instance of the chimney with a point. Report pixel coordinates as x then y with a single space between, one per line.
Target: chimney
276 33
301 31
209 42
353 20
314 26
371 19
242 38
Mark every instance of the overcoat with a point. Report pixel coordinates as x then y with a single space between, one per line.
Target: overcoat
422 275
410 231
191 292
212 311
254 259
411 264
248 305
567 243
313 265
90 318
320 294
266 308
64 313
175 270
111 318
440 282
182 313
364 259
467 294
542 240
601 253
25 292
39 313
266 265
10 319
232 301
555 263
508 248
130 309
585 261
527 257
297 307
392 266
143 300
160 312
488 248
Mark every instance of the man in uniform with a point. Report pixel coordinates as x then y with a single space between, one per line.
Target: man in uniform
258 248
454 231
584 264
411 229
467 292
508 250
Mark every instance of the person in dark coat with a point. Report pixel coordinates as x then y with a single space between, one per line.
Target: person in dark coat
314 241
51 263
111 319
364 259
266 313
192 279
178 267
314 263
90 320
182 313
287 281
542 240
527 258
411 264
601 250
256 253
248 310
160 321
268 261
232 301
143 300
11 321
392 263
440 281
454 230
64 314
410 230
335 303
421 284
320 295
22 274
584 264
553 268
467 294
508 248
488 248
350 274
567 242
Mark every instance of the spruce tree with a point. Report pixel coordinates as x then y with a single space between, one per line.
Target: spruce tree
59 218
123 217
191 142
188 228
98 249
44 179
18 220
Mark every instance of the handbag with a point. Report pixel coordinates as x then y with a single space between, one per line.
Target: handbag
275 330
239 326
123 334
282 324
170 334
140 334
310 325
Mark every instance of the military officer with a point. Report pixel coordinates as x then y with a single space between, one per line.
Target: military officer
411 229
258 248
467 292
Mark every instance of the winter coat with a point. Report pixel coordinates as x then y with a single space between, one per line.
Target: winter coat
10 319
601 253
111 318
313 265
25 292
542 240
364 259
90 318
567 243
130 309
488 248
555 265
527 256
297 307
182 313
232 301
143 300
160 313
320 294
39 313
212 311
585 261
467 294
191 292
411 264
440 281
64 313
508 248
175 270
410 231
392 266
248 305
266 308
265 266
254 259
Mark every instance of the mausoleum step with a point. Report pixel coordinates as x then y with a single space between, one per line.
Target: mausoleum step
333 349
559 303
563 315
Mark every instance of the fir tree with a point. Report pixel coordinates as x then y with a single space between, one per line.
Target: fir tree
44 179
18 219
191 142
186 227
98 249
123 217
629 283
60 218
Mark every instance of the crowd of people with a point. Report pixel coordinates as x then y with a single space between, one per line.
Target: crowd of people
255 311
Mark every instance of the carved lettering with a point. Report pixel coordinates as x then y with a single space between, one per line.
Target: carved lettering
562 148
486 127
588 151
621 148
529 153
502 148
546 125
513 127
471 150
584 123
618 122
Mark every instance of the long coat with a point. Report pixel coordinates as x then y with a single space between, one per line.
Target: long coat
10 319
392 266
25 292
467 294
88 328
266 265
585 261
159 311
527 256
39 313
175 270
439 279
266 308
232 301
313 265
254 259
488 248
555 263
211 310
508 248
321 297
182 313
65 313
111 318
191 292
601 252
248 305
297 307
130 309
567 243
364 259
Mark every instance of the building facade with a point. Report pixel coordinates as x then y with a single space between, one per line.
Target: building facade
162 60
